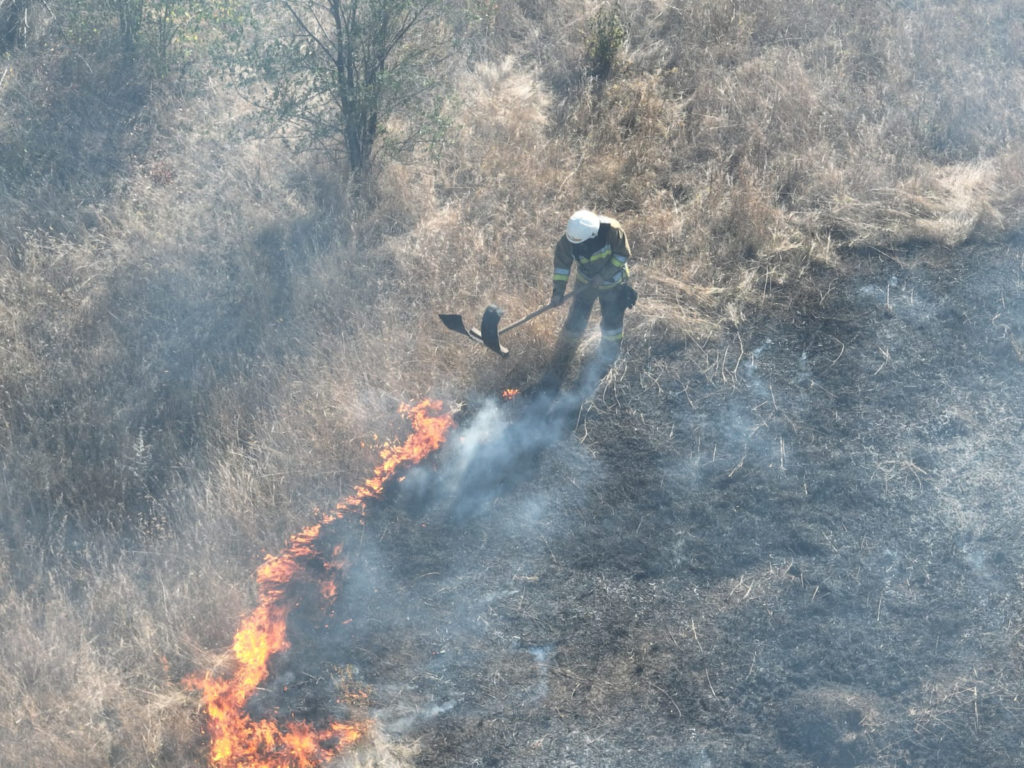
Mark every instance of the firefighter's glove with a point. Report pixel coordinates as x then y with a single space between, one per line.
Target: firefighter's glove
557 297
627 296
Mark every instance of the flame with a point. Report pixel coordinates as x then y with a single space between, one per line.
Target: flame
428 433
509 394
237 740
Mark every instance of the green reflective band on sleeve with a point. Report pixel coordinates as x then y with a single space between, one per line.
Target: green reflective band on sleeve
619 260
560 278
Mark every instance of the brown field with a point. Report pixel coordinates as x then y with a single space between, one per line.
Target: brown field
784 529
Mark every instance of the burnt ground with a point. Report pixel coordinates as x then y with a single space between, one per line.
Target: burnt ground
802 548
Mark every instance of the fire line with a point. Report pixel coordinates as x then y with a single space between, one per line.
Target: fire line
238 740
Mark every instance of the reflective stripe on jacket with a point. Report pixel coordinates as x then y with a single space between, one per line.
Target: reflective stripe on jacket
602 259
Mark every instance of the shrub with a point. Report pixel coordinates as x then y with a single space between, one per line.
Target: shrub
605 38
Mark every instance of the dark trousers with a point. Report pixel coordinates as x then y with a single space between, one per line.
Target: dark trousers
613 310
614 303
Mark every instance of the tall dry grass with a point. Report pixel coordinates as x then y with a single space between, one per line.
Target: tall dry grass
202 334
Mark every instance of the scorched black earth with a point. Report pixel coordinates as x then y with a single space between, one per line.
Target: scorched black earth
799 546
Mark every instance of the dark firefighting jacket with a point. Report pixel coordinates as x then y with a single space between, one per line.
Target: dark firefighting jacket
600 261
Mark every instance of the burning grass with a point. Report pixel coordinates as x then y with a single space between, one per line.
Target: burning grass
239 740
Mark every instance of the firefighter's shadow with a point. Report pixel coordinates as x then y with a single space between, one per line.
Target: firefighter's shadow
570 378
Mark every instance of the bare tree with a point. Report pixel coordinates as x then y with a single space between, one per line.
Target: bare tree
345 68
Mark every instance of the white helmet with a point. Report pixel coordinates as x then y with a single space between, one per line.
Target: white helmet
583 225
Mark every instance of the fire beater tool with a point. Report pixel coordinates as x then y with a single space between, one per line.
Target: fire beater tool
488 333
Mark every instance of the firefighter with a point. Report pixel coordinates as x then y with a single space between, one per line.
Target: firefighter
600 250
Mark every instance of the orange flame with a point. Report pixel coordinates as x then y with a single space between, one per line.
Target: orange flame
428 433
509 394
236 739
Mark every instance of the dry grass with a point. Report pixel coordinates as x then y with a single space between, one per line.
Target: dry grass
200 340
